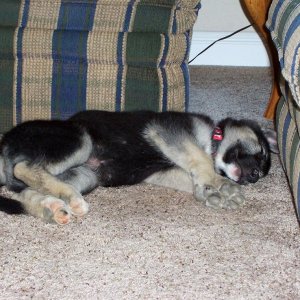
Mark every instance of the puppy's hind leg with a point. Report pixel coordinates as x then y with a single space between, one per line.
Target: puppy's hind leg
45 207
40 180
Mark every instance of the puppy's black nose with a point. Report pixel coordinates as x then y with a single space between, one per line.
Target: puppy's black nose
253 176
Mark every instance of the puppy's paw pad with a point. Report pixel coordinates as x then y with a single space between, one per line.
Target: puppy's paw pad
209 195
232 205
215 201
79 206
201 192
229 188
62 216
237 199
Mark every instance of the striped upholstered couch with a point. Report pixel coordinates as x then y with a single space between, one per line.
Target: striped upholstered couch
61 56
284 25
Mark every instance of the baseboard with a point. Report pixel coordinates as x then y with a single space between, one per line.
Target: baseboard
242 49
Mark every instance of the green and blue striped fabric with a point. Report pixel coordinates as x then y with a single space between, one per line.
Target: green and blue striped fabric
284 26
289 147
58 57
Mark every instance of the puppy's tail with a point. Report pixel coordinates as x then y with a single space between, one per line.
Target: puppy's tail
11 206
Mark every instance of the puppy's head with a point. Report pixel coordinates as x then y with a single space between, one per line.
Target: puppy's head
243 155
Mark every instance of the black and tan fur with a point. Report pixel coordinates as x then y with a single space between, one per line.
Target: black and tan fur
50 164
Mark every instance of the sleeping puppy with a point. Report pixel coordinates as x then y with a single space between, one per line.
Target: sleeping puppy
50 164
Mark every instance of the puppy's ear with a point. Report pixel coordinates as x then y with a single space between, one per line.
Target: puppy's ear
271 137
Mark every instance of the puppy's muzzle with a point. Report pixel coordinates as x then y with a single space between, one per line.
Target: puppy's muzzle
250 177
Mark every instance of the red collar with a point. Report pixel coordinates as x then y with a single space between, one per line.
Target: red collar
217 134
217 137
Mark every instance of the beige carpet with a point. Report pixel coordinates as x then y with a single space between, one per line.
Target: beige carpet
146 242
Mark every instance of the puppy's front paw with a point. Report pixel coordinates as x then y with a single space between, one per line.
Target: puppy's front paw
232 194
227 196
209 195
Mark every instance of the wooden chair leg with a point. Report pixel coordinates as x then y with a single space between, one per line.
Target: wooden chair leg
257 11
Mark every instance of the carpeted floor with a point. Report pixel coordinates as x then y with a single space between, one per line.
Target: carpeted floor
231 92
146 242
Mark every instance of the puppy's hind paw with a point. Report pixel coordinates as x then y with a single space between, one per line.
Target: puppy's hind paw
79 206
55 211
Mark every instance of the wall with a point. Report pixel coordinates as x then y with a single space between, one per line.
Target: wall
221 15
218 18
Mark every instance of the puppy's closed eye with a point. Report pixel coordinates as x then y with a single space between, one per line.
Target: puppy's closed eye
259 156
234 154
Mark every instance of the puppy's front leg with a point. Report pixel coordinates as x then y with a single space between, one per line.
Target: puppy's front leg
214 190
208 187
206 182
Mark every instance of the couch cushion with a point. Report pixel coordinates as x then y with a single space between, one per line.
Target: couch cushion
58 57
284 25
162 16
289 144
